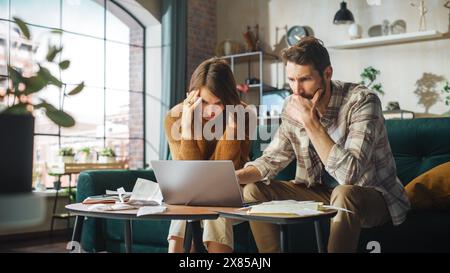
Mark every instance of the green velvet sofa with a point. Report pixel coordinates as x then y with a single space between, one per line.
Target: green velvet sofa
418 145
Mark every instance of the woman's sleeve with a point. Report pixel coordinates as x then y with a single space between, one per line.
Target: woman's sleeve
180 149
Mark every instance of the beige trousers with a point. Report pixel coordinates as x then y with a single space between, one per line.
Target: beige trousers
368 205
219 230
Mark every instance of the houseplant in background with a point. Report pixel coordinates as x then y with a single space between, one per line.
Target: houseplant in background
446 93
66 155
18 100
368 78
107 155
84 155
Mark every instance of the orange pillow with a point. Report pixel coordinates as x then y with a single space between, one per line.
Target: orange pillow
431 190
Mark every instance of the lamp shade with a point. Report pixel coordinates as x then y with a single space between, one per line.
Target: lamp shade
343 16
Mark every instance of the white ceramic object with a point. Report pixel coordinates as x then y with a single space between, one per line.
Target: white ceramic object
227 47
355 31
67 159
106 159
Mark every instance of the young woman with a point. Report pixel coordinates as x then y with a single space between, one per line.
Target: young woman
211 89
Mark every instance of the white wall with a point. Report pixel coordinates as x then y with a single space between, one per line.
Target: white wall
401 65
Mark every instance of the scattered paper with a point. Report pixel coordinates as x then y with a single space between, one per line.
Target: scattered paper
146 193
109 207
338 208
115 192
287 207
150 210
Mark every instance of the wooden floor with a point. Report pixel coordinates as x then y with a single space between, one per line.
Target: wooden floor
42 244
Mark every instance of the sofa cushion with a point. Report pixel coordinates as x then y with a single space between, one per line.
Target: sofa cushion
431 190
418 145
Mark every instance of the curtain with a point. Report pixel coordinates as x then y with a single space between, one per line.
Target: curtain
174 20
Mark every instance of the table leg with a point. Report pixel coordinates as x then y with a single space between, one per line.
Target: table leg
319 239
77 228
198 237
284 238
128 236
193 232
187 237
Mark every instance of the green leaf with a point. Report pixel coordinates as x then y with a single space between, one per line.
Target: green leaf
34 84
15 75
77 89
52 52
45 74
56 31
64 64
23 27
59 117
19 109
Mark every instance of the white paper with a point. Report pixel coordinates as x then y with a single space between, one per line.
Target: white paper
338 208
300 208
115 192
151 210
147 193
110 207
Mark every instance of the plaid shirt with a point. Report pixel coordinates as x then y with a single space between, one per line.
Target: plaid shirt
361 156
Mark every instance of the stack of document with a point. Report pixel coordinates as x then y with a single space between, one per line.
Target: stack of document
287 207
146 197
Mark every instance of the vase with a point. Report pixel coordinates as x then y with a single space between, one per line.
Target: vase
106 159
227 47
84 158
355 31
16 149
66 159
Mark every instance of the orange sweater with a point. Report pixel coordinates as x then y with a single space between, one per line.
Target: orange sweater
221 149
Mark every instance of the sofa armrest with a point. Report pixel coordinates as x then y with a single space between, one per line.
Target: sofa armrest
97 182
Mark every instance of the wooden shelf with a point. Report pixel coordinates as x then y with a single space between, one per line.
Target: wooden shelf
250 57
391 39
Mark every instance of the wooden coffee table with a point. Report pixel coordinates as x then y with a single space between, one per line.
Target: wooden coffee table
283 221
192 214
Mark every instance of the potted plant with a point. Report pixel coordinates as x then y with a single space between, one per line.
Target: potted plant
107 155
84 155
368 78
446 93
66 154
18 100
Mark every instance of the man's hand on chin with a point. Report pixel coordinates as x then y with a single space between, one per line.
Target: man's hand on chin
304 110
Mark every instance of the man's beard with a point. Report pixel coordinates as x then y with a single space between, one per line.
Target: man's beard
323 87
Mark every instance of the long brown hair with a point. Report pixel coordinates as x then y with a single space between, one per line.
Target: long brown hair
216 75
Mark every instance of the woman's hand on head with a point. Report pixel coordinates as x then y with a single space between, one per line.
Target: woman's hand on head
192 101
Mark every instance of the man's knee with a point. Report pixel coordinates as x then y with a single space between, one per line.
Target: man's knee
252 193
345 195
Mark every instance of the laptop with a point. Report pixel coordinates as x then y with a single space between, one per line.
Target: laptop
198 182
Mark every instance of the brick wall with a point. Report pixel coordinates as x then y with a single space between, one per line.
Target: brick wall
201 33
136 117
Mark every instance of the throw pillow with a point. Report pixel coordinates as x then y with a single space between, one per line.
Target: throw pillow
431 190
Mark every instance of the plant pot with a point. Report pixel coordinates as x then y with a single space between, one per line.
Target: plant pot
67 159
106 159
84 158
16 149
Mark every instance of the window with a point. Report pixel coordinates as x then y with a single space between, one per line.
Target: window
105 45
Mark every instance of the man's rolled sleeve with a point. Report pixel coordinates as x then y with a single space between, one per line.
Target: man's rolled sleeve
259 166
